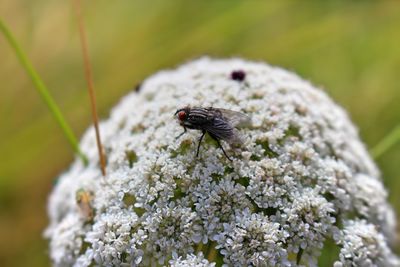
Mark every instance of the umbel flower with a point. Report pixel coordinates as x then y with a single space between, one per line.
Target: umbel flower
301 181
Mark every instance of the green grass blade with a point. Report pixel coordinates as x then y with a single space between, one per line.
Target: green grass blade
44 93
386 143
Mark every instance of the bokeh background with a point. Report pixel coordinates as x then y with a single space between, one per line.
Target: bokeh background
349 48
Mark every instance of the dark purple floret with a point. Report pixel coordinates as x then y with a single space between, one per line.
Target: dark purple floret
137 87
238 75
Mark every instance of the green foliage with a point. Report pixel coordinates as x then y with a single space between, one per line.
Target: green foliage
43 91
386 143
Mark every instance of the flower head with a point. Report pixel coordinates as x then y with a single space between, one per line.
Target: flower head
300 178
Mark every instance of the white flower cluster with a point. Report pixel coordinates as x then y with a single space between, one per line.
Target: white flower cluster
191 261
301 178
363 245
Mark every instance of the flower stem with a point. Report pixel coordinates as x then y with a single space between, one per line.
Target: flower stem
43 91
386 143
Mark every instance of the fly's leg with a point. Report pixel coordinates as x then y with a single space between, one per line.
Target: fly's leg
220 146
198 147
185 130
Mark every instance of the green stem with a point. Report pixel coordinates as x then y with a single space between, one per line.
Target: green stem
386 143
44 93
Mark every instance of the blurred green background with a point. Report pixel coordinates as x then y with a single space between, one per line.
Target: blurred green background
350 48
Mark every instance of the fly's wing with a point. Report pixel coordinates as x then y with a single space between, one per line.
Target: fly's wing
235 118
220 128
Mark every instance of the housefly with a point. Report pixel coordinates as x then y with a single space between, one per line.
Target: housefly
219 123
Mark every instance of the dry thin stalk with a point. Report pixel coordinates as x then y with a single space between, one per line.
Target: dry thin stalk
89 79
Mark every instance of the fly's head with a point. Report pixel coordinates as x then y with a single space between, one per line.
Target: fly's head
182 115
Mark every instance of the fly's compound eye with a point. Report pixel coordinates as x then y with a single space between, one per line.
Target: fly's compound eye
181 115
